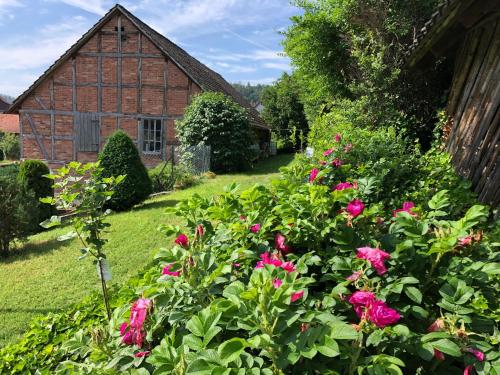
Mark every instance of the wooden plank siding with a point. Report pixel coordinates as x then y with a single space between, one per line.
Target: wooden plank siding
474 107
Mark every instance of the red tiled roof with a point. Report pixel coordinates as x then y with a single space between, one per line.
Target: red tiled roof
9 123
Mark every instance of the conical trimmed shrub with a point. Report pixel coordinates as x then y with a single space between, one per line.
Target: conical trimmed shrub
121 157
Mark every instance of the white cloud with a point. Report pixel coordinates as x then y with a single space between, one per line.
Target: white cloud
98 7
233 68
6 7
277 65
262 81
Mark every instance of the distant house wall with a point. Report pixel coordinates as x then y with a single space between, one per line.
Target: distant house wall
119 76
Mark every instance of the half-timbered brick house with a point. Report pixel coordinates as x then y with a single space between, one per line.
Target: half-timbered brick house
121 74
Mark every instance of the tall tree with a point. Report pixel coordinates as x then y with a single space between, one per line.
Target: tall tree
284 112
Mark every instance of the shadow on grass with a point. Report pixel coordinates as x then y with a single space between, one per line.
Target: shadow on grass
30 249
156 204
267 166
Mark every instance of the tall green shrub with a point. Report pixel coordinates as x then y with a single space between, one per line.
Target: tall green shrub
215 120
121 157
31 177
16 209
9 145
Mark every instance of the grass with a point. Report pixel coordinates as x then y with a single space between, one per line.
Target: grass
46 276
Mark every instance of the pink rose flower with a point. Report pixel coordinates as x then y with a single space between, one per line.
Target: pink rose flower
277 283
355 207
468 370
142 354
437 326
407 207
338 137
328 152
296 296
279 243
476 353
376 257
343 185
288 266
166 271
133 332
268 259
313 174
337 162
465 241
255 228
355 276
381 315
438 355
200 231
361 298
182 240
348 147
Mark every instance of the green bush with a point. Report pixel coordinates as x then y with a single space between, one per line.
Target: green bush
121 157
165 177
17 207
10 147
215 120
31 178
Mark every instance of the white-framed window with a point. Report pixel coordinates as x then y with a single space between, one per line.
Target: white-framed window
151 136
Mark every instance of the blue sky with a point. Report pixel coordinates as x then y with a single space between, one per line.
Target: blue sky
240 39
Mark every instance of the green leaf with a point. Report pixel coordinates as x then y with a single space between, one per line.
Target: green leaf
231 349
343 331
375 337
328 347
414 294
447 346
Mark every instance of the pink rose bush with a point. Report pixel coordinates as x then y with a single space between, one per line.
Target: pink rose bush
407 207
166 271
255 228
313 175
355 207
182 240
369 308
280 245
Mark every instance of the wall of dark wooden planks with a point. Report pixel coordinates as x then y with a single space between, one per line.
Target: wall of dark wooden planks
474 108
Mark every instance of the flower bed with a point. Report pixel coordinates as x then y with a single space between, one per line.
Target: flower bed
313 275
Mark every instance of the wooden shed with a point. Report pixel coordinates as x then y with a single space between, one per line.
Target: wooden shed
121 74
467 33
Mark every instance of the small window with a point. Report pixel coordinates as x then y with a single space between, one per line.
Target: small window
152 136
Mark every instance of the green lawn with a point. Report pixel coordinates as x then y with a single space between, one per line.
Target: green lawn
47 276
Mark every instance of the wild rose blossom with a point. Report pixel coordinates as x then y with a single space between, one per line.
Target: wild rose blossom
468 370
382 315
266 258
438 355
476 353
200 231
313 175
361 298
277 283
133 332
279 244
182 240
296 296
437 326
288 266
407 207
465 241
328 152
343 185
348 147
142 354
337 162
338 137
376 257
255 228
355 276
166 271
355 207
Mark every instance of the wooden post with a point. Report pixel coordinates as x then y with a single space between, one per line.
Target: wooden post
52 120
119 69
74 98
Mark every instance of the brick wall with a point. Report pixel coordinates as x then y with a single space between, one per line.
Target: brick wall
123 100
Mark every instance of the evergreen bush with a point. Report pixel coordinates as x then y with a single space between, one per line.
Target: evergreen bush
31 177
121 157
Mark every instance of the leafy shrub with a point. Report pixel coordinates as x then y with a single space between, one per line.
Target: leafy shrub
32 177
10 147
17 207
292 279
121 157
215 120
